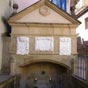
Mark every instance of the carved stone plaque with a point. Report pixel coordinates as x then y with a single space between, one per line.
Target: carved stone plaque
44 43
22 45
65 46
44 10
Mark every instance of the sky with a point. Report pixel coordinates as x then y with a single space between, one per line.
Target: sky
24 3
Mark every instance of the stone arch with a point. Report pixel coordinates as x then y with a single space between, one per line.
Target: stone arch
41 72
45 60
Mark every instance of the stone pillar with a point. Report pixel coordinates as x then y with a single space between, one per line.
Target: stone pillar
74 64
13 66
6 55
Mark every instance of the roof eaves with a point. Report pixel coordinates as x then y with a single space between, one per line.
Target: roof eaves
82 12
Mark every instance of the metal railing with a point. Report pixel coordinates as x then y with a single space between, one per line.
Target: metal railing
80 67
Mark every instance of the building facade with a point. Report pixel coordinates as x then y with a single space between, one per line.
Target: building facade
81 63
82 14
82 29
5 12
43 44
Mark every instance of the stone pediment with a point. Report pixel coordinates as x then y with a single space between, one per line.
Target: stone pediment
43 12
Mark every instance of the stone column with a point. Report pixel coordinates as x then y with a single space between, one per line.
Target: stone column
13 66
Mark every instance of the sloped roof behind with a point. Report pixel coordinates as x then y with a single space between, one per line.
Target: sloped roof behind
82 11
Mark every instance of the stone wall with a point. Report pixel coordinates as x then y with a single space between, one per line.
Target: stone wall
78 83
6 55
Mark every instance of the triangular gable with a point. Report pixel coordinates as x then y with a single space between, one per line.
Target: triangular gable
40 16
43 12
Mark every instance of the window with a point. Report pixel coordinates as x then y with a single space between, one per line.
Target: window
80 67
60 3
86 23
